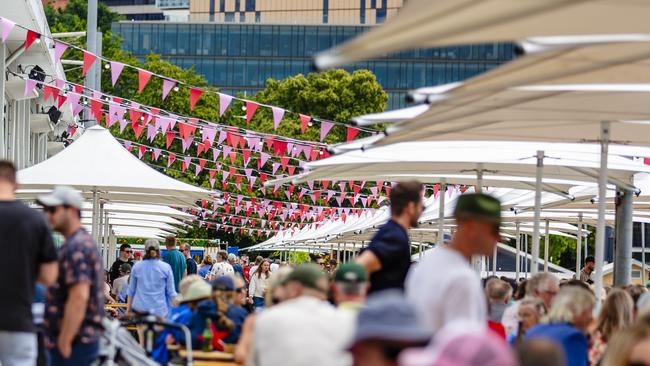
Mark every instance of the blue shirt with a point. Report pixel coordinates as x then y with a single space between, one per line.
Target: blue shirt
238 269
391 246
178 263
152 287
574 343
203 271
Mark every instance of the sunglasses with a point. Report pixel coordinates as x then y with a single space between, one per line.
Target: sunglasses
128 251
239 290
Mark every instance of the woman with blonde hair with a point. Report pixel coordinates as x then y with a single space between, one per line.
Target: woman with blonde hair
631 346
567 323
617 314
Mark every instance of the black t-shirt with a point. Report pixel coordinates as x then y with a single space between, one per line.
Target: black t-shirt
115 269
26 243
191 266
392 248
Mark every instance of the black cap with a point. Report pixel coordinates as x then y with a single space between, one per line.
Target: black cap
478 206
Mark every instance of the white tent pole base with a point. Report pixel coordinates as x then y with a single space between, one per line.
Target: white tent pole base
538 211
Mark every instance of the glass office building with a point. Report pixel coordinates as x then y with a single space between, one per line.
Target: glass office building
240 57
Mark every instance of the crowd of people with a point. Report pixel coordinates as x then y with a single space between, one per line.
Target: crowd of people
379 309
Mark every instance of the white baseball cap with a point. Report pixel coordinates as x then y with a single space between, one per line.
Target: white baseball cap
62 196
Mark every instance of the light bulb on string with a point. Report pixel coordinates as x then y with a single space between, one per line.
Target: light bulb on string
107 66
176 88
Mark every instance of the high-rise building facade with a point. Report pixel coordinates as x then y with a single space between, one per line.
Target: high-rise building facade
338 12
241 57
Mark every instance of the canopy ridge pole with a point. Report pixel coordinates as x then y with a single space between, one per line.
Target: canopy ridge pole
441 211
602 203
517 251
538 211
579 246
547 242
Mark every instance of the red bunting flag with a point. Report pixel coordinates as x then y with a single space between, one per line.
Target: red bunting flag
31 38
251 107
195 94
352 133
143 79
304 122
170 138
89 60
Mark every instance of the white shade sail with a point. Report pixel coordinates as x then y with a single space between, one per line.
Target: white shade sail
96 161
433 23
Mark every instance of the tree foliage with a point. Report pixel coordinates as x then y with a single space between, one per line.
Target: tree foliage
333 95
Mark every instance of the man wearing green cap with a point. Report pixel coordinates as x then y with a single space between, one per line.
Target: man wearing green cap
443 286
303 330
350 287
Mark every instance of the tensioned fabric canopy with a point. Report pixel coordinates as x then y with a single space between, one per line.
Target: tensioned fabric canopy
96 161
434 23
431 161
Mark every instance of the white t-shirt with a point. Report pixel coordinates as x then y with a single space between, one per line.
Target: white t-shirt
221 269
301 331
443 287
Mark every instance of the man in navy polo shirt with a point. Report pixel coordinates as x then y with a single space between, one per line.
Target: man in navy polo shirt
388 257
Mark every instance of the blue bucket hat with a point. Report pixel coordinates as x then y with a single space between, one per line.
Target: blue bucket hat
388 317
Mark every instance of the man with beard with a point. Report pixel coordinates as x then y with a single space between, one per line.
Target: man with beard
388 257
443 287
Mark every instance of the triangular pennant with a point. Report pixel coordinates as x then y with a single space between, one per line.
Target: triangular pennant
195 94
167 87
143 79
116 70
89 60
7 26
278 113
224 102
304 122
325 128
251 107
169 138
170 159
29 87
351 133
59 49
31 38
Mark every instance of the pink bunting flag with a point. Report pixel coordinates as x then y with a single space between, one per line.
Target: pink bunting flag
73 101
151 132
275 167
264 157
123 124
59 49
215 154
155 153
128 145
7 25
222 136
116 71
325 128
170 159
226 150
167 87
278 113
29 87
224 102
208 135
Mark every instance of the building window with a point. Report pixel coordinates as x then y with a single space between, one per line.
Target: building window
326 10
237 5
242 17
229 17
362 11
636 274
250 5
258 17
222 6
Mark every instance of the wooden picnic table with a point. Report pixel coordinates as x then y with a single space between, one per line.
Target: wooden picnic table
209 356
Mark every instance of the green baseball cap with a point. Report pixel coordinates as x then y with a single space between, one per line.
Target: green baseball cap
351 273
478 206
307 274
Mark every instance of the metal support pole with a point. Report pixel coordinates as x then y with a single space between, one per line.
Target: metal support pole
338 253
547 242
494 260
602 205
479 178
579 246
643 276
441 212
526 262
517 252
538 211
95 218
107 250
623 248
91 46
100 230
3 104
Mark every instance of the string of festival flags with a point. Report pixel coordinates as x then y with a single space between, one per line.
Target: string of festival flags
169 84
